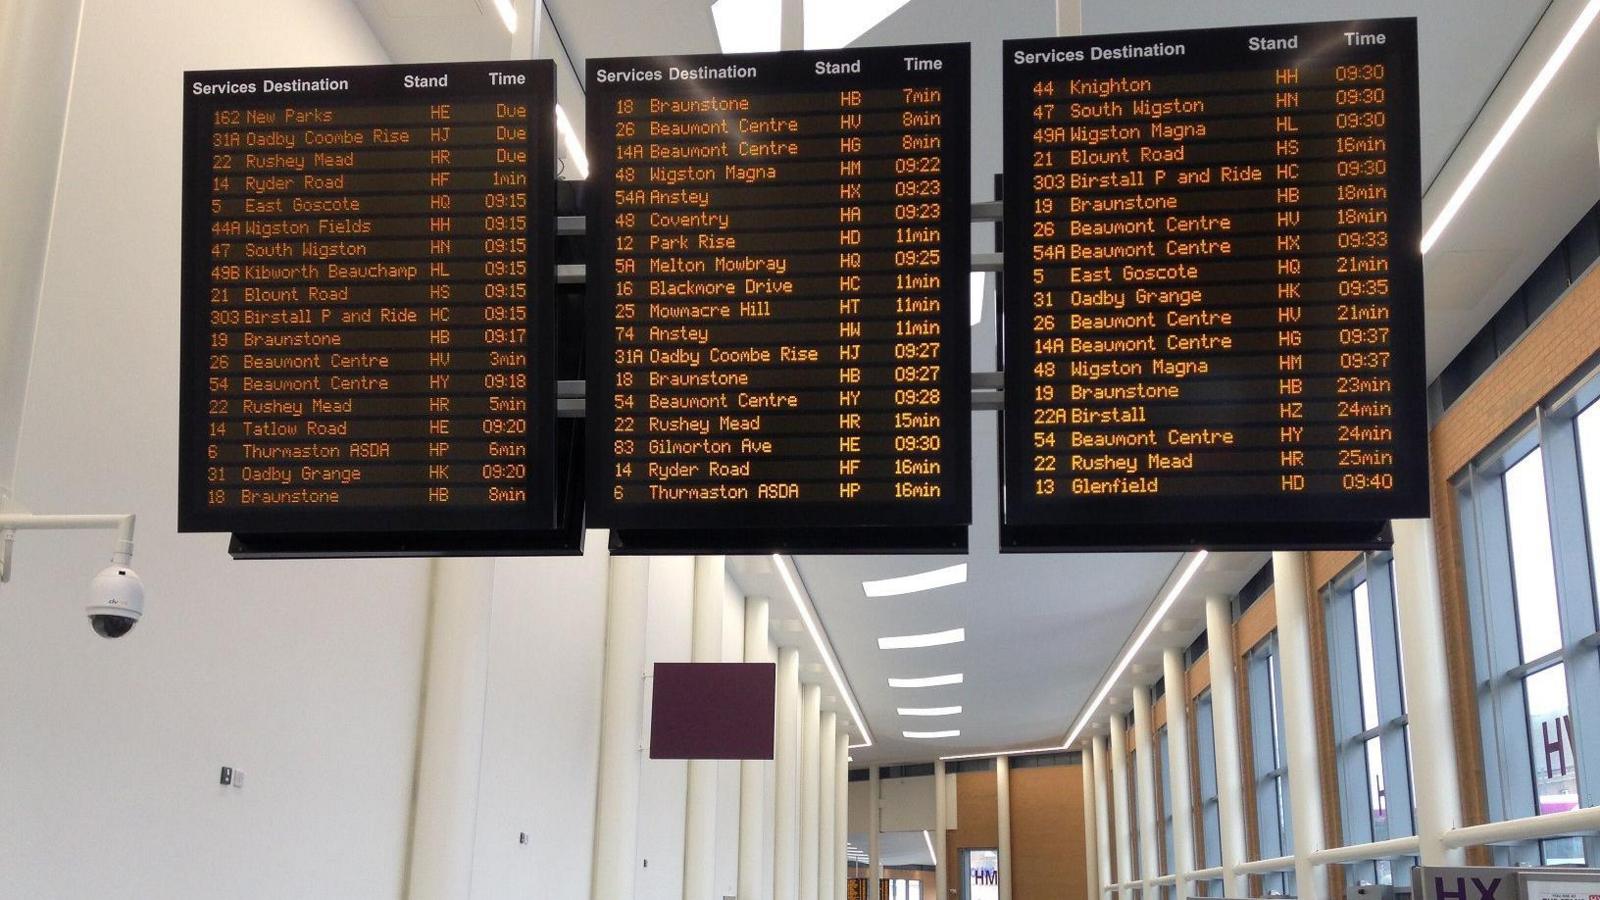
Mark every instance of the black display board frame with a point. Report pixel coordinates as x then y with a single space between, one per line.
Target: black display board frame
936 527
1137 523
550 519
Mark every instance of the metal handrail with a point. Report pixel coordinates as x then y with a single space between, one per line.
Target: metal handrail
1532 828
1263 866
1354 853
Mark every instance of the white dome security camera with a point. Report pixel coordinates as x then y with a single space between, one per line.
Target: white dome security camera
116 601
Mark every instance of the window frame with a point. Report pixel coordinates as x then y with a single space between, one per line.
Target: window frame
1269 765
1507 739
1376 572
1208 841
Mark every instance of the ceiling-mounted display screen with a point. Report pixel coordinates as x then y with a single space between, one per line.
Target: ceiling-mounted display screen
367 341
1213 287
778 267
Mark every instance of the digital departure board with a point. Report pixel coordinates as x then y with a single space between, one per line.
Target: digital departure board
368 334
779 248
1213 287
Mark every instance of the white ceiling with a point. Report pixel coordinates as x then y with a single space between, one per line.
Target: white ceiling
1042 630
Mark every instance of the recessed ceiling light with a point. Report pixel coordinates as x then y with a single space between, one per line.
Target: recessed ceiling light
931 735
1509 126
914 641
931 681
929 711
573 143
748 26
508 14
920 581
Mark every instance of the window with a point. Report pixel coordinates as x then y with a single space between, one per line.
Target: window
1530 523
1271 771
1372 737
1209 846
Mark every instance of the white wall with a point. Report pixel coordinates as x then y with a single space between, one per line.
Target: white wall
664 784
304 675
541 727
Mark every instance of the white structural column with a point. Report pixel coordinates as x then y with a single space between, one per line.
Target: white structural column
1180 803
1427 682
450 744
753 772
786 781
1091 847
700 801
1144 785
1002 796
1102 813
827 796
1225 726
1299 720
810 790
941 815
874 828
841 815
1122 821
616 821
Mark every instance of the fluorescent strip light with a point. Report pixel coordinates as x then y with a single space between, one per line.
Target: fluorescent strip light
931 735
931 681
915 641
929 711
921 581
824 648
993 753
1138 644
979 282
748 26
573 143
508 14
928 839
1509 127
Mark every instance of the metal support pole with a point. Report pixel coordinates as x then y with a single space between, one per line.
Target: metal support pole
1144 788
1119 802
1225 725
1299 720
1180 803
1419 611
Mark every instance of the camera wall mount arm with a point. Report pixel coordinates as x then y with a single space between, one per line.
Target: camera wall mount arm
14 519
